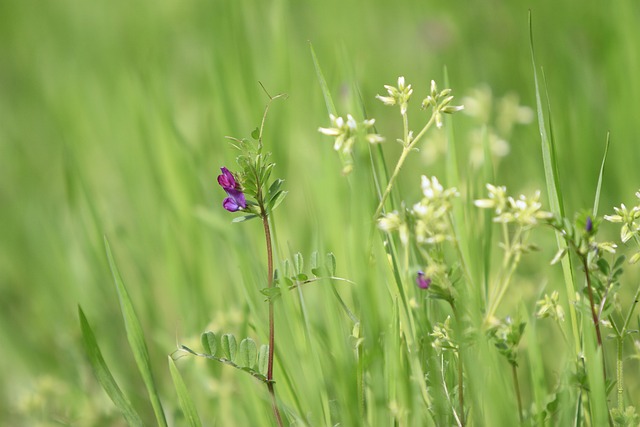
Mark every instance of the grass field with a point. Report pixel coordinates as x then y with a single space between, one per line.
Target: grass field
113 117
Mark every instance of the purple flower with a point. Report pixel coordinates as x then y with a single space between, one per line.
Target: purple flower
236 200
422 281
589 226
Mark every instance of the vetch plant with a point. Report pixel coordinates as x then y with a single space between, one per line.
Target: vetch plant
249 191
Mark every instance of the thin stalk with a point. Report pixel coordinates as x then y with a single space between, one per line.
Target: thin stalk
267 234
511 257
620 341
460 375
446 392
408 146
594 315
460 389
516 385
619 375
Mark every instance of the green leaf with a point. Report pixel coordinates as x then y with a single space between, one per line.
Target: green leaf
265 173
298 263
600 175
136 338
271 293
331 263
553 188
229 346
247 353
301 277
263 359
209 343
277 199
186 403
273 189
320 272
603 266
256 133
245 218
619 262
331 109
314 260
286 268
104 376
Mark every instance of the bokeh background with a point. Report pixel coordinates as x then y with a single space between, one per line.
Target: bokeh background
112 122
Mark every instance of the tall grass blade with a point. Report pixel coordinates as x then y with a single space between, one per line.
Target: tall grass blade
553 188
188 408
136 338
331 108
596 202
104 376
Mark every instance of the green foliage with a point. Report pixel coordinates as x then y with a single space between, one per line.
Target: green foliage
244 357
135 336
102 372
114 124
186 403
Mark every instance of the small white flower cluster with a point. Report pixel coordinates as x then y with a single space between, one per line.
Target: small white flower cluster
442 336
522 211
346 132
429 217
397 95
630 227
550 307
439 101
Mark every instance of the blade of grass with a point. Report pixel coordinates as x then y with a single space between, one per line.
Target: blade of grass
597 387
489 177
188 408
104 376
596 202
136 338
553 188
326 93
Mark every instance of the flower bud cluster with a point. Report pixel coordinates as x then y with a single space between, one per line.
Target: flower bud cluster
524 211
428 220
630 227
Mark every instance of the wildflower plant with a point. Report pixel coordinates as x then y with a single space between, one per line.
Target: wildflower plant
517 218
251 191
444 302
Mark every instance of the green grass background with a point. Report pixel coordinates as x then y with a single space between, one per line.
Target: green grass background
112 122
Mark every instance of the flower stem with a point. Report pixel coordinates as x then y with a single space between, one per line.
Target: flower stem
408 146
460 367
619 375
594 315
267 234
460 388
516 385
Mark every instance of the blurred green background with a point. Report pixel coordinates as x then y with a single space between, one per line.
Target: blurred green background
112 122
